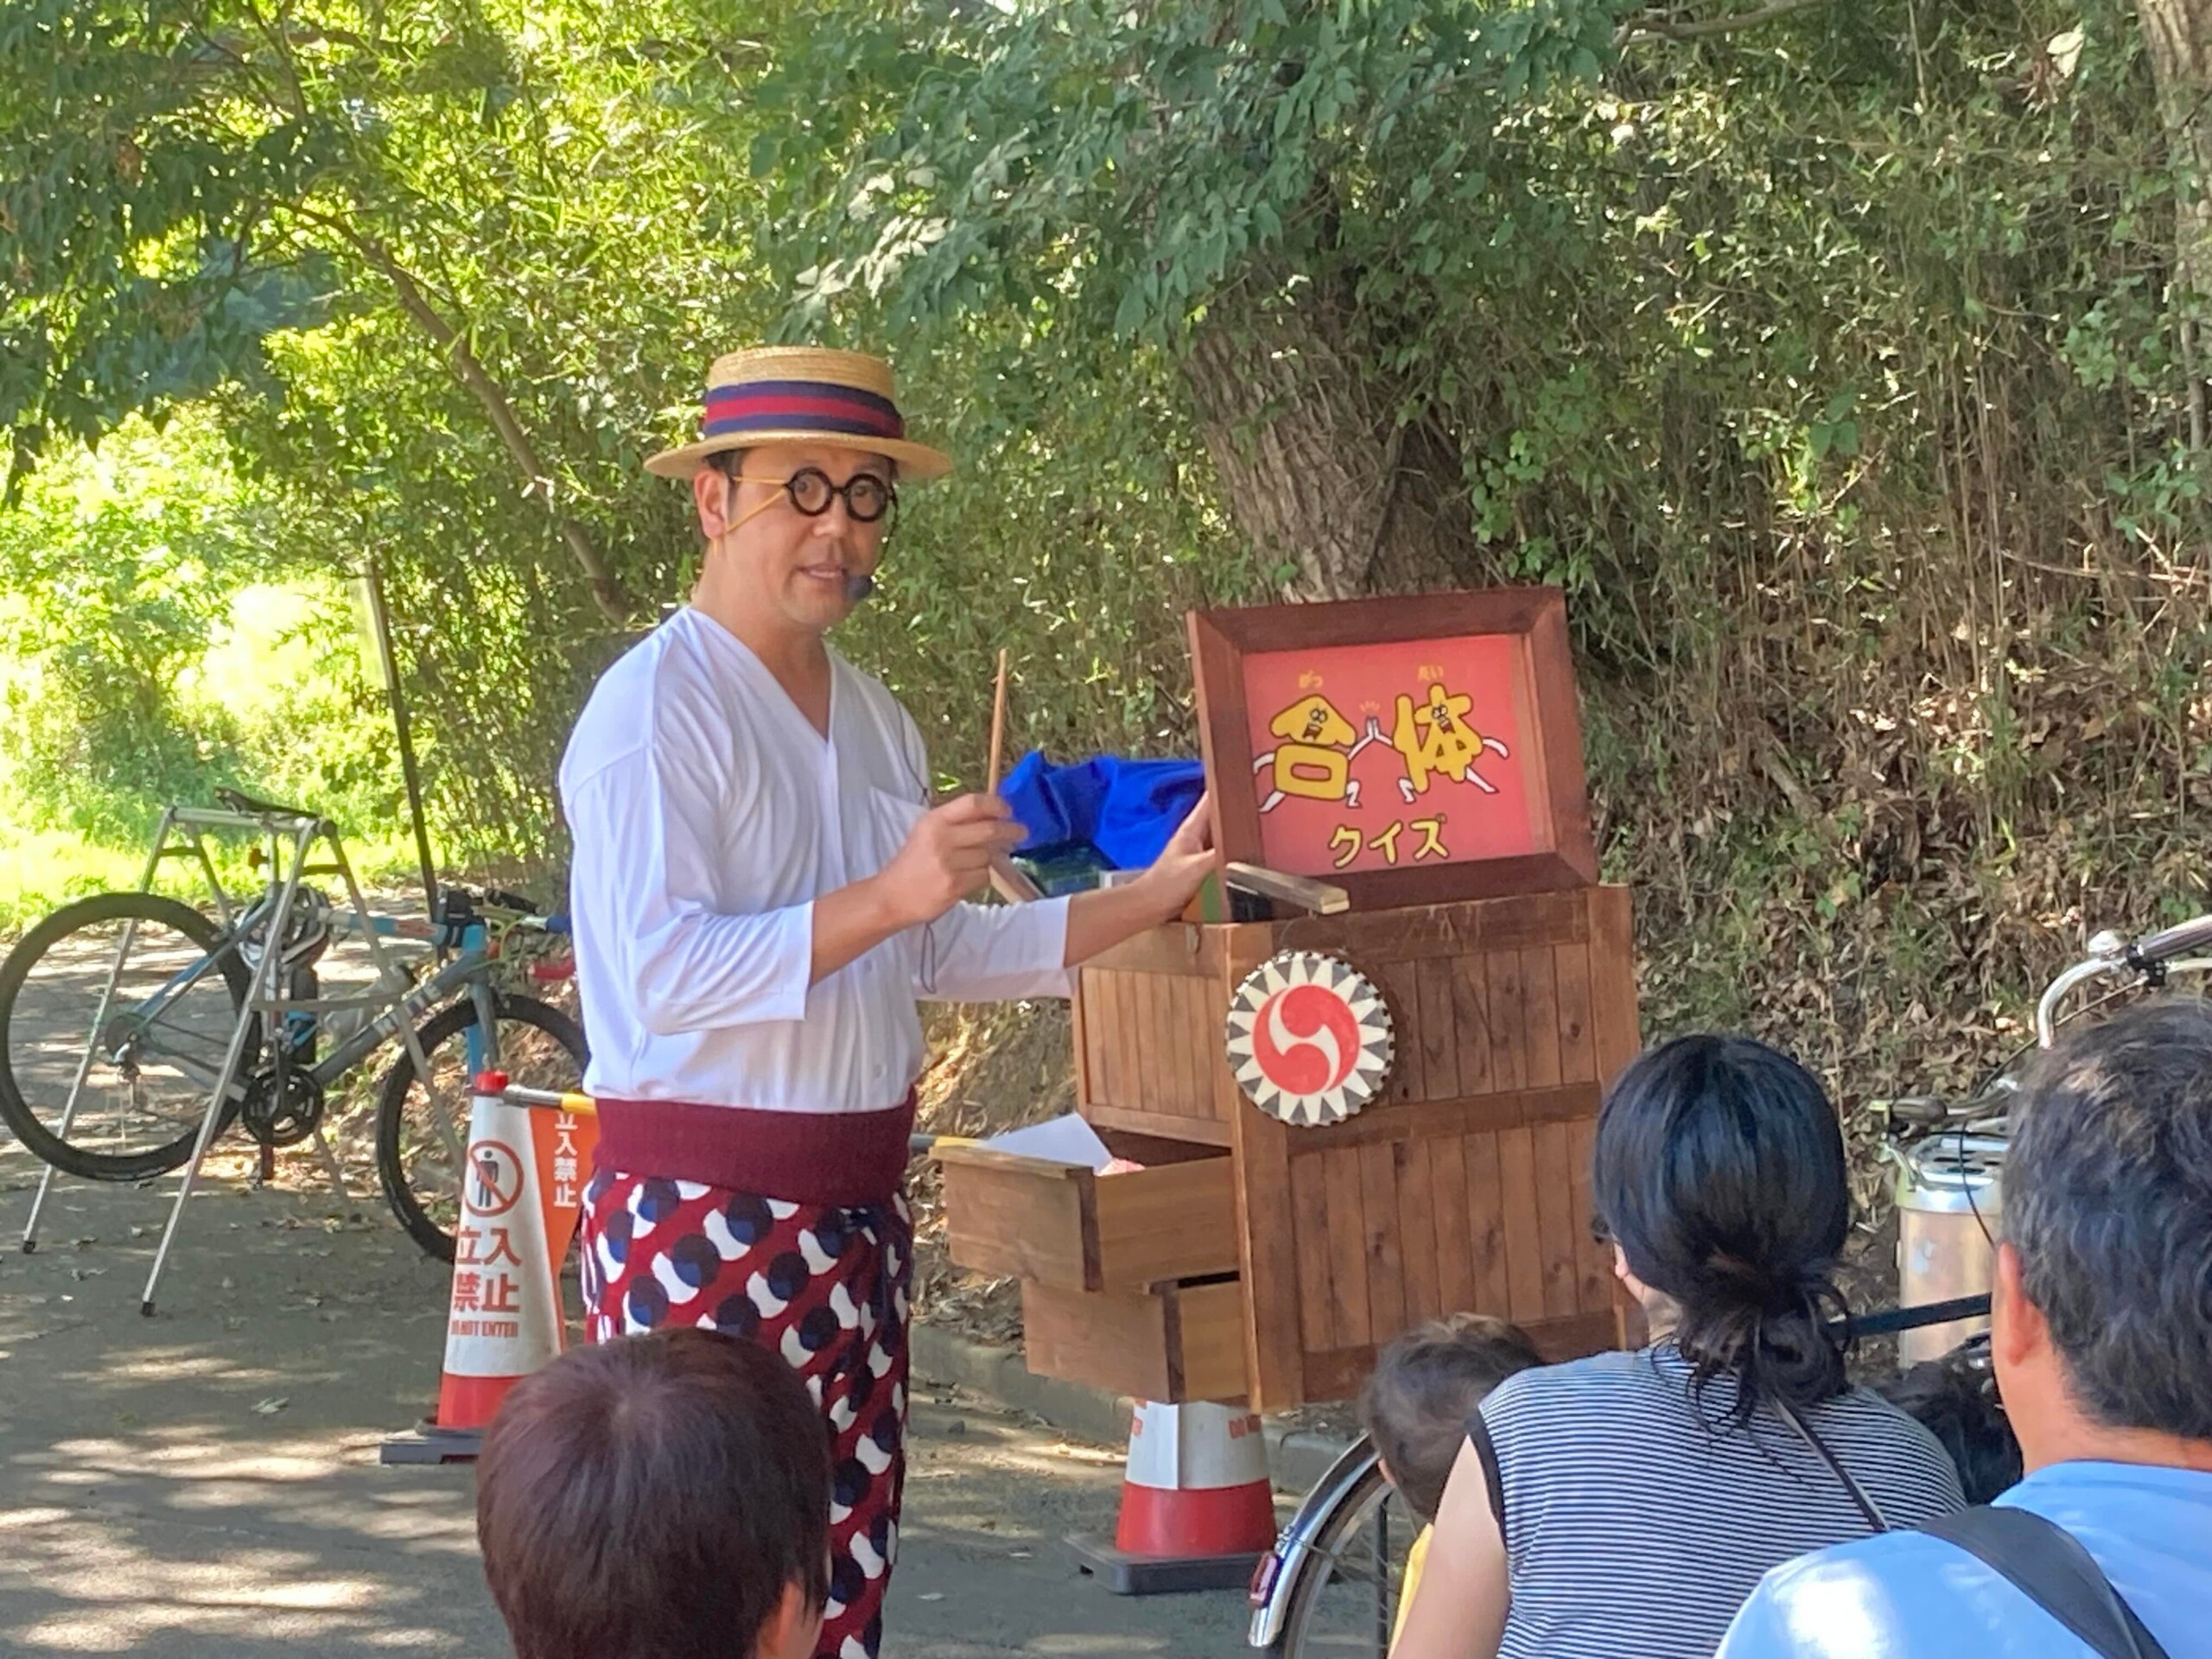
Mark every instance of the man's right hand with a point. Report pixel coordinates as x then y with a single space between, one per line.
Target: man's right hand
947 855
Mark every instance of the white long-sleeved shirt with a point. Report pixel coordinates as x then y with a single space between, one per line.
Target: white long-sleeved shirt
708 816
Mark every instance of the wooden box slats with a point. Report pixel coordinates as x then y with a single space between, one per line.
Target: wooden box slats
1466 1186
1392 1232
1148 1038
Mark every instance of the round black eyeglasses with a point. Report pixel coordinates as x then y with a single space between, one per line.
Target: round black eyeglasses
867 497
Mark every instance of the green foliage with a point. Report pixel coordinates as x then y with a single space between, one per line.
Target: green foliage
150 651
566 188
1122 165
1076 533
114 585
148 657
520 254
1833 366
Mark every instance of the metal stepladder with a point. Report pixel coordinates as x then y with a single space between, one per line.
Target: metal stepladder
292 836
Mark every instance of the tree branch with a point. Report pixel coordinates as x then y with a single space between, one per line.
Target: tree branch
274 36
605 591
1650 27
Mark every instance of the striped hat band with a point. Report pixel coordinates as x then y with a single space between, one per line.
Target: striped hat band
766 395
784 405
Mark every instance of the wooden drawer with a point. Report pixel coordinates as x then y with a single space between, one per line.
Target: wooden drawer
1172 1343
1065 1225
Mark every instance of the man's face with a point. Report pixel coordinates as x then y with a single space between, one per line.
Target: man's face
792 567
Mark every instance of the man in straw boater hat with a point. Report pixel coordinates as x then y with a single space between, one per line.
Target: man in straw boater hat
762 886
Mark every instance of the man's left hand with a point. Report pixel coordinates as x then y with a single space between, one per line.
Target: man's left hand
1102 918
1185 862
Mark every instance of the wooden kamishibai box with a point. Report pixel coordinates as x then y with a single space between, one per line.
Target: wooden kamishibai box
1258 1259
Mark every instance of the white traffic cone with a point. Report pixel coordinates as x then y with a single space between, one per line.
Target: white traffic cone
1197 1510
521 1197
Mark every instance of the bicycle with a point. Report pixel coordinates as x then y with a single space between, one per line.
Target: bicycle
126 1101
1330 1584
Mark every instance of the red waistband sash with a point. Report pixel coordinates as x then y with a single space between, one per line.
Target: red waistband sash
824 1158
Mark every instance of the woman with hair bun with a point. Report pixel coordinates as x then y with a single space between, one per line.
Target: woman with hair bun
1628 1503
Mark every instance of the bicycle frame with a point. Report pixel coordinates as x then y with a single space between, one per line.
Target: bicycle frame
176 985
468 968
289 834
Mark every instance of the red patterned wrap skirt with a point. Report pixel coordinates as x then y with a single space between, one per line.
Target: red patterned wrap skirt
824 1284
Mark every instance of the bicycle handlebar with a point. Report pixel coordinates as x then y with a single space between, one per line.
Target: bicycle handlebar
1890 1321
2154 949
459 908
2110 955
238 801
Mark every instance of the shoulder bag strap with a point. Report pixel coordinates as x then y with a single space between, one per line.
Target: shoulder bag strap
1876 1520
1486 1451
2046 1564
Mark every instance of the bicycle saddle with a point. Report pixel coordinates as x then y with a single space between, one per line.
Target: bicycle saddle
238 801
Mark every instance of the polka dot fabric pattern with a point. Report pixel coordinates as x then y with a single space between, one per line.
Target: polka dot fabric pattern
826 1287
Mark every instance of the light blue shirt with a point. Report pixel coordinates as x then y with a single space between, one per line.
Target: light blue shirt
1904 1595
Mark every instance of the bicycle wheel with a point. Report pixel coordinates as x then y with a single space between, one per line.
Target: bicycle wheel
154 1059
538 1046
1347 1601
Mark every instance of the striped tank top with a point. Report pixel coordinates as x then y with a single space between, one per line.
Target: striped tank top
1637 1519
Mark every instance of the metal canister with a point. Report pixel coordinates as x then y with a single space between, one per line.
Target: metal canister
1949 1193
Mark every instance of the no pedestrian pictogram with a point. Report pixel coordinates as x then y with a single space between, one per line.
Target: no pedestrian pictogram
494 1179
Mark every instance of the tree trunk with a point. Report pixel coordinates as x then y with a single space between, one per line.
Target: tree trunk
1320 476
2178 36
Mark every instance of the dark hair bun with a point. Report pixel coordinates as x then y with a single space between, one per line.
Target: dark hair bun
1719 1171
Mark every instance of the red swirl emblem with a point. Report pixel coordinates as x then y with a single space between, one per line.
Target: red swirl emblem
1306 1039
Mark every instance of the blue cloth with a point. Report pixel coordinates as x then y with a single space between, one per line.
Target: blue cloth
1124 809
1904 1595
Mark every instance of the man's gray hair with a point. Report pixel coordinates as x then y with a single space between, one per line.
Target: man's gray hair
2108 1200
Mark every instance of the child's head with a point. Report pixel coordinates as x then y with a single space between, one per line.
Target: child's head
661 1497
1424 1388
1955 1398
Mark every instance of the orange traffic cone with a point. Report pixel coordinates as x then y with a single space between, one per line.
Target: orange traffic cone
1196 1511
521 1195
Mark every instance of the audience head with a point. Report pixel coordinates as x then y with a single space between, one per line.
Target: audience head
2102 1316
1954 1398
660 1497
1423 1388
1719 1174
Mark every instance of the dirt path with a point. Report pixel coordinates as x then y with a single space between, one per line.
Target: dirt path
205 1482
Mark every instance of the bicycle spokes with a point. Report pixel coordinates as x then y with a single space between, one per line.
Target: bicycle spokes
147 1053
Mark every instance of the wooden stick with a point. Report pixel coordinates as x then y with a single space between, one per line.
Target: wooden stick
1010 883
1322 898
998 727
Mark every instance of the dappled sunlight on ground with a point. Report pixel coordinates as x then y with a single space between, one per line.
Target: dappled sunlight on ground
205 1483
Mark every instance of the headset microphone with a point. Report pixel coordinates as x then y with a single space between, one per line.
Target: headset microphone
858 589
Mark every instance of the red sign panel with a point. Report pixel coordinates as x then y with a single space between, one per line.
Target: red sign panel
1395 755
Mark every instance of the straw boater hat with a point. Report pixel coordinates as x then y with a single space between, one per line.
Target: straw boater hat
801 394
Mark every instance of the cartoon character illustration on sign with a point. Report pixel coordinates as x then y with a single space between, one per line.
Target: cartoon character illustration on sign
1313 759
1435 739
